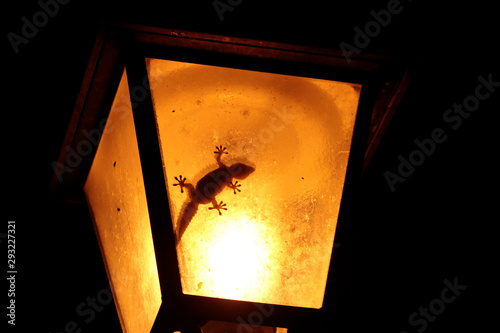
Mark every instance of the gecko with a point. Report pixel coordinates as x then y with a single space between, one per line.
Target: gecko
208 187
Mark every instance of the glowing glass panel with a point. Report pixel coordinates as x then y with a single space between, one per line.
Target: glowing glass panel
117 200
285 140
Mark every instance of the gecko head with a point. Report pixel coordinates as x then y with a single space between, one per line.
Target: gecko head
240 170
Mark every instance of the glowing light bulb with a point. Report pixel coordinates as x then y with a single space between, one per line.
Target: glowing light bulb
237 260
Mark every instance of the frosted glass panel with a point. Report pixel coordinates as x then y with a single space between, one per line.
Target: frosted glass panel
255 166
117 200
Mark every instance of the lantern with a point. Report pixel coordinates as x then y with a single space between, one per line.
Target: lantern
214 170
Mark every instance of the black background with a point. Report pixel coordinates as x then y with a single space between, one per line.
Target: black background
439 224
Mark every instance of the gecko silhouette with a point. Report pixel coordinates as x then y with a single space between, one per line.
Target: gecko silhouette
208 187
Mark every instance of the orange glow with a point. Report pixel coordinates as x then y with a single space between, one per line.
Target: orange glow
273 239
117 200
235 259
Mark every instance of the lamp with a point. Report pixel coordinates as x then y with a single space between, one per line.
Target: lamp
214 170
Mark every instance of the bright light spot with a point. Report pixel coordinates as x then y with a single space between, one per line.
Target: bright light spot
238 260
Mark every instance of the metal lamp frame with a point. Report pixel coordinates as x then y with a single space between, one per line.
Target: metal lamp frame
383 81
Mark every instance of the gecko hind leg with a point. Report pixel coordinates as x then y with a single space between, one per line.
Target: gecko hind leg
181 182
218 206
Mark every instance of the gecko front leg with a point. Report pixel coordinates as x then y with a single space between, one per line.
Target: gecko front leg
220 151
234 186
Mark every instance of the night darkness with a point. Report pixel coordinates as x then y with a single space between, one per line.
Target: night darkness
404 246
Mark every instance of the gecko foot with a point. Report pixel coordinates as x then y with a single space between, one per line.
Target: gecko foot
220 150
218 206
181 183
234 186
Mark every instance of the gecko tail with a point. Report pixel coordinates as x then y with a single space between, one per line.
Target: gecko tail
187 213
